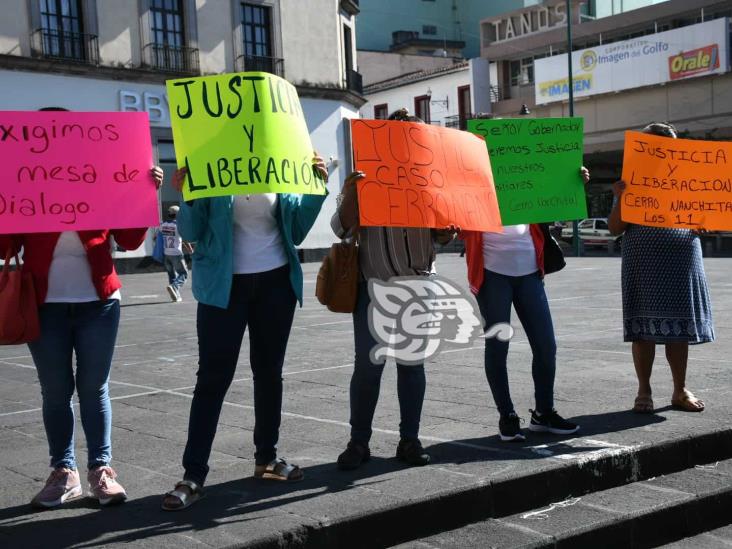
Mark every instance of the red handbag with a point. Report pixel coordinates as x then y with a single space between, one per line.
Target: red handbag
18 307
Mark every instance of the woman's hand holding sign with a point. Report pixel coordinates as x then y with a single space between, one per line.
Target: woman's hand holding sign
179 176
157 175
319 167
348 205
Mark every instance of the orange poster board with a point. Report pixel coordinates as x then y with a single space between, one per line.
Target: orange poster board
419 175
677 183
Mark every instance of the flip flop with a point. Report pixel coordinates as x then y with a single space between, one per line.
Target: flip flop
643 404
686 403
185 499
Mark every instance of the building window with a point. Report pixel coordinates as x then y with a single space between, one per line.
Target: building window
422 107
256 22
168 49
167 22
381 112
429 29
258 45
62 32
522 72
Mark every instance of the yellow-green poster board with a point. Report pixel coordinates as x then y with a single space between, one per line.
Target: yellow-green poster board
536 167
242 133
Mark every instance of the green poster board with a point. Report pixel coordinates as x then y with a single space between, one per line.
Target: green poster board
536 167
242 133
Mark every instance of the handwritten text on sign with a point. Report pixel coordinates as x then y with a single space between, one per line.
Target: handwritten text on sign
72 171
241 133
419 175
536 165
678 183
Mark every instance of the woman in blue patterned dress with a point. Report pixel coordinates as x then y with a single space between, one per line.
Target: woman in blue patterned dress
665 297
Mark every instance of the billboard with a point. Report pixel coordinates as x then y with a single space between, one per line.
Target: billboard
687 52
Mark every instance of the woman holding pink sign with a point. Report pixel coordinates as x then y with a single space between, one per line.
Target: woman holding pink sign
78 293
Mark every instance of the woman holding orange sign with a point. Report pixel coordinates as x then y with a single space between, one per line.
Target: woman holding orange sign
665 297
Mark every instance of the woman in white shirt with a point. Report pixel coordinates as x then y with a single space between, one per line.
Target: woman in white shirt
507 269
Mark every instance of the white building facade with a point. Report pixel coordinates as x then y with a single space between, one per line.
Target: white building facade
98 55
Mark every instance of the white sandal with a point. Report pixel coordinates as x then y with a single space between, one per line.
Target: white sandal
186 500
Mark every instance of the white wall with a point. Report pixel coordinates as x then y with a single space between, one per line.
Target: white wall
325 123
14 28
377 66
119 33
443 86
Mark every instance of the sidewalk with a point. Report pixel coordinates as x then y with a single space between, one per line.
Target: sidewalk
154 373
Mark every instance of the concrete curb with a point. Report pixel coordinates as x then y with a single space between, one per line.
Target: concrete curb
453 509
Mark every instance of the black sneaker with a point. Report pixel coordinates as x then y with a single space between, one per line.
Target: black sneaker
510 428
353 456
551 423
410 451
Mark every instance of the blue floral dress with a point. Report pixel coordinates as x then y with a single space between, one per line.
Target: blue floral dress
665 293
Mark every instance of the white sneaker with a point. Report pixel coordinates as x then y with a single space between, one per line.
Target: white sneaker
172 292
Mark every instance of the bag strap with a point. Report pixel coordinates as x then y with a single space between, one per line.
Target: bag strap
6 265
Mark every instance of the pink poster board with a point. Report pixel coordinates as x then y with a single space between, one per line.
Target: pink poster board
71 171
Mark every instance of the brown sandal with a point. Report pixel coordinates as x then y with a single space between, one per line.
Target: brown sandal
643 404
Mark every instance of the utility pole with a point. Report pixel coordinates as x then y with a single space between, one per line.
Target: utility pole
570 82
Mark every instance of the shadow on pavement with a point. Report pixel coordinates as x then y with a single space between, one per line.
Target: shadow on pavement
142 518
470 450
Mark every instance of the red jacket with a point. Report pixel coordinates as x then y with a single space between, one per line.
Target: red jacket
474 254
38 253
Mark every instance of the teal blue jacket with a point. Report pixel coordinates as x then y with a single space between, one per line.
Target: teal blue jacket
209 223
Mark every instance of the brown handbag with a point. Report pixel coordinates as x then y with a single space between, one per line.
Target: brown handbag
18 307
337 283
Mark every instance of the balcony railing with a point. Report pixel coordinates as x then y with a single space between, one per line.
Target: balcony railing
163 57
350 6
68 46
273 65
458 121
354 81
496 94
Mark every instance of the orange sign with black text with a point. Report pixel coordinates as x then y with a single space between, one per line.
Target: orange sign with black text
418 175
677 183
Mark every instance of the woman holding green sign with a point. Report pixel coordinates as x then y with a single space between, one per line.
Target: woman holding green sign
665 297
506 269
246 273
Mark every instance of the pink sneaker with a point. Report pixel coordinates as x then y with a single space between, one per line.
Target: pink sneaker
104 486
62 484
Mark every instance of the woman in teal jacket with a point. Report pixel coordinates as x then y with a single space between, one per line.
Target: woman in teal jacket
246 273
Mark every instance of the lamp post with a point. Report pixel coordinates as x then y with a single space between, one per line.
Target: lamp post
570 82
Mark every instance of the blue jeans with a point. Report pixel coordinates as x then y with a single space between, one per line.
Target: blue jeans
366 381
177 270
90 331
527 294
265 302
